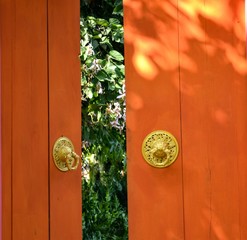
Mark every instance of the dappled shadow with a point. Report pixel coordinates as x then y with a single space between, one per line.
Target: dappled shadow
186 73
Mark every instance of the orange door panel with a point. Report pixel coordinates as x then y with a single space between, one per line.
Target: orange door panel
155 196
40 79
213 113
186 74
64 115
25 120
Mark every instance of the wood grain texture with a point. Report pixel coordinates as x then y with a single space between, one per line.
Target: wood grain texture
33 209
30 121
1 137
186 73
6 28
25 119
155 201
65 112
213 70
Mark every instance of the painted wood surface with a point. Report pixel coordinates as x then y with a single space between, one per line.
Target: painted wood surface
40 65
6 85
64 115
186 73
0 140
214 97
25 120
155 196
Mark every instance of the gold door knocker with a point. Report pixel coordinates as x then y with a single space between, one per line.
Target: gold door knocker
64 156
160 149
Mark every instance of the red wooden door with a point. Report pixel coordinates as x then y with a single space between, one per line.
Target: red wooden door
186 74
40 76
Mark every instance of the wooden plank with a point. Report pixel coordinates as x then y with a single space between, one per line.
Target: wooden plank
6 28
1 181
155 201
213 80
29 124
65 112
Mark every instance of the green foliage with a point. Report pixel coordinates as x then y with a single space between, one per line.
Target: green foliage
103 121
102 8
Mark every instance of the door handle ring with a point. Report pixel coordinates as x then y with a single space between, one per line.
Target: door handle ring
64 155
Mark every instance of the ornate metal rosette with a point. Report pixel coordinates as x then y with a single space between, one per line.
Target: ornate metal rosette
60 144
160 149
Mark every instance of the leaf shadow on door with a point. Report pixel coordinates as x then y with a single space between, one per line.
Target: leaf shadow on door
186 72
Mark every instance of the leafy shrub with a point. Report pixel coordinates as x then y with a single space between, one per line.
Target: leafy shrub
103 121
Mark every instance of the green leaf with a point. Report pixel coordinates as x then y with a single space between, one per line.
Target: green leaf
95 44
118 10
114 20
89 93
102 22
116 55
98 115
102 76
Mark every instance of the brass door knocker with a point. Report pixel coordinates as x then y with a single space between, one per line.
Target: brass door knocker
160 149
64 156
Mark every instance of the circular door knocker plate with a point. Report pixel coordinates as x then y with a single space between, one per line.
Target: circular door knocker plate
160 149
64 156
